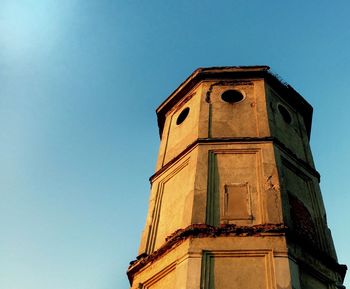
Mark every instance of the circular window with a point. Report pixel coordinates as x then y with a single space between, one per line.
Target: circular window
182 116
232 96
285 113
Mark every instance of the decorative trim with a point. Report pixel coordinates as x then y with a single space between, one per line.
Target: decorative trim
203 231
207 282
152 234
274 140
154 279
212 212
207 268
225 202
229 230
213 198
167 139
210 116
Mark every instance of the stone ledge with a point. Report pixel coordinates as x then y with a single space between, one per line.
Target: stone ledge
201 231
272 139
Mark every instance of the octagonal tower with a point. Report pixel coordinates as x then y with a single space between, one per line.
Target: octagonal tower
235 200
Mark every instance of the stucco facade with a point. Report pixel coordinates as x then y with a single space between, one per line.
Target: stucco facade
235 200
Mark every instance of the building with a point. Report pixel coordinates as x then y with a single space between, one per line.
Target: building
235 200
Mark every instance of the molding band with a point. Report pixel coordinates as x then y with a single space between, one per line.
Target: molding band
202 231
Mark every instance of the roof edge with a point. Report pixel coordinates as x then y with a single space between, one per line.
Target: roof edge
257 71
211 71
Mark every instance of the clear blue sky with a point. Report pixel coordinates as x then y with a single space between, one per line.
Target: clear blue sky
79 83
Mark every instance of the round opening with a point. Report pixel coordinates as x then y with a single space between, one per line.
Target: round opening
232 96
285 114
182 116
